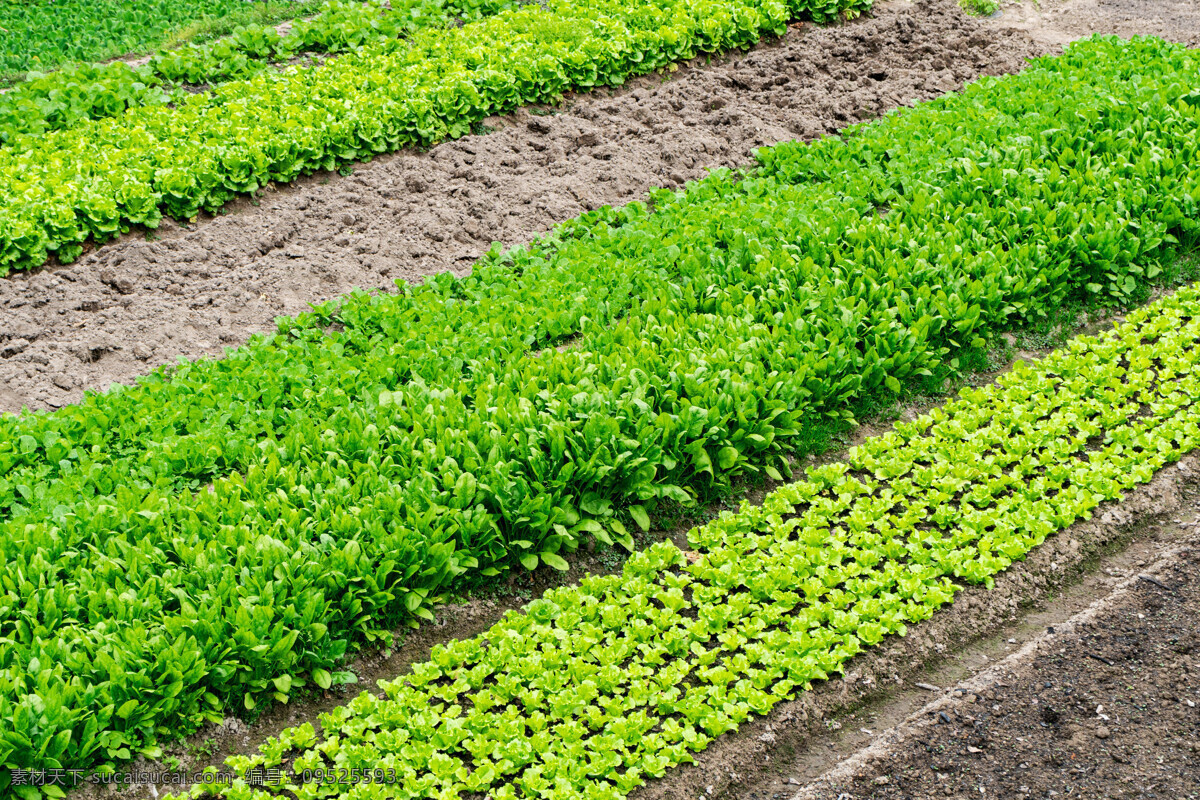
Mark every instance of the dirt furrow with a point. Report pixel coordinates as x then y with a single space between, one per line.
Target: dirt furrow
191 291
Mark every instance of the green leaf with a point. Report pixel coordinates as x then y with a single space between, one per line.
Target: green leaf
595 504
556 561
639 515
322 678
343 677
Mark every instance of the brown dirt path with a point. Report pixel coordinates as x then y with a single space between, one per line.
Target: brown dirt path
134 304
1054 23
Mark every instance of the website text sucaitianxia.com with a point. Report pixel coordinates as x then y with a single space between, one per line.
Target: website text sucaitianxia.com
261 776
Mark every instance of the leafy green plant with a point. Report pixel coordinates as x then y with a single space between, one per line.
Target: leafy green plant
65 98
980 8
341 26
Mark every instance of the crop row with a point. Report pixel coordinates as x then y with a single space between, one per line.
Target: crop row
341 26
44 34
66 97
91 181
595 689
311 491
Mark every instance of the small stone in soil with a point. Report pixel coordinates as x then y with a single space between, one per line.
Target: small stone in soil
1102 732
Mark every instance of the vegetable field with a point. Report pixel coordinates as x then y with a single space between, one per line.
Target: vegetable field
228 534
45 34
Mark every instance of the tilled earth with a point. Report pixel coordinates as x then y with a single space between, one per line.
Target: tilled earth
1057 23
134 304
1111 710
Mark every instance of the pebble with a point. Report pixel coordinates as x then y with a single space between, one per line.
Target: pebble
1102 732
13 347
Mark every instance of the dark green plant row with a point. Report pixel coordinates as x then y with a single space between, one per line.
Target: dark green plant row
92 181
227 532
596 689
45 34
66 97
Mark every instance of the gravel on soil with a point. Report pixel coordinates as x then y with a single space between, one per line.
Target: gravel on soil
134 304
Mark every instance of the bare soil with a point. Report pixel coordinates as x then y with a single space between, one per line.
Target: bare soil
1055 23
189 291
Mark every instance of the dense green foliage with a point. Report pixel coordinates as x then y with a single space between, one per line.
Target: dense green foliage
226 531
598 687
95 179
43 34
341 26
71 95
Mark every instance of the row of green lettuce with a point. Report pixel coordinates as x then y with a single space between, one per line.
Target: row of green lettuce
92 181
313 490
341 26
598 688
46 34
64 98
